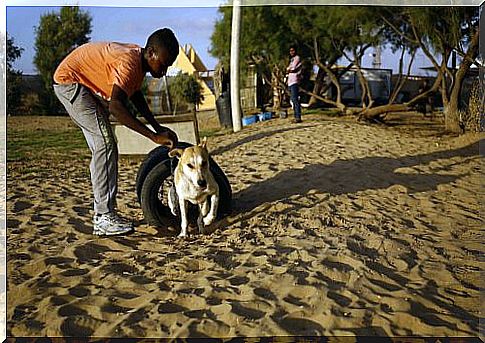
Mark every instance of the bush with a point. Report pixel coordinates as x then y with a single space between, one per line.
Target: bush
186 88
30 104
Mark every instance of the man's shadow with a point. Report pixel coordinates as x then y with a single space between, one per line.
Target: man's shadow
351 176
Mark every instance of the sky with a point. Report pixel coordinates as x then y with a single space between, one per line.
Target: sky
129 25
192 25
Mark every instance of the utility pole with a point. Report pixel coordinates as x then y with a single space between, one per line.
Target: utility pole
167 93
376 62
235 33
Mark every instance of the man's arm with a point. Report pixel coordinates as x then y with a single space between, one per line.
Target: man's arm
118 108
138 99
294 66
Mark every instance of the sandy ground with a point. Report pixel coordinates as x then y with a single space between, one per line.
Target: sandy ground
338 228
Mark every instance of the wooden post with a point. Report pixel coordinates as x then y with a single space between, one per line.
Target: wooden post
167 91
235 98
196 125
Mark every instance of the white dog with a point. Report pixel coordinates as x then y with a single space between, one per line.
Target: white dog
194 183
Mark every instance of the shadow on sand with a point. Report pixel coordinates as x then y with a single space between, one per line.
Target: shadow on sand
256 137
350 176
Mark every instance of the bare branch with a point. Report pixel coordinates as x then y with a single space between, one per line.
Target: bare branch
401 81
395 29
315 47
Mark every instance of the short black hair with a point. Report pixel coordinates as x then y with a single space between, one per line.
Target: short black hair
164 38
293 47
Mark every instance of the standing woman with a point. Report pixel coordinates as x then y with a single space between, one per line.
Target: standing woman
294 75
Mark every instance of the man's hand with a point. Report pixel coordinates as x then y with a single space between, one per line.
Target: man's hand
167 138
117 107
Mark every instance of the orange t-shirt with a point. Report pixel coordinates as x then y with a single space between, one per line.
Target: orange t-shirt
99 66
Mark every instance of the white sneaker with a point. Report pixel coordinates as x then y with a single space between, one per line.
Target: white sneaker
110 224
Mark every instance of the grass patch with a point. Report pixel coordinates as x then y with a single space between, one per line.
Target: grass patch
56 144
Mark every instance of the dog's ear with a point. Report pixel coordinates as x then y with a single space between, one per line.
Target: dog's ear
175 152
203 144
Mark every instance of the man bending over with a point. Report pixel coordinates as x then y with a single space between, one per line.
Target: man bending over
113 72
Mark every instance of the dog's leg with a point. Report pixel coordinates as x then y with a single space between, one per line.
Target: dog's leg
204 208
213 209
183 214
173 200
200 219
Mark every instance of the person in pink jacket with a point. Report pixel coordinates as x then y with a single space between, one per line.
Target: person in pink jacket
294 75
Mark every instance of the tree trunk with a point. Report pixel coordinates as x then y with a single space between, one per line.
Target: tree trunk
452 110
336 104
401 79
364 85
372 113
275 86
333 78
444 86
452 117
196 124
317 88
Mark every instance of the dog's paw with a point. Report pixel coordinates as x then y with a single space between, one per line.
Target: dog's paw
208 220
182 235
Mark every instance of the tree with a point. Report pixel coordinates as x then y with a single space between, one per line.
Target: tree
56 36
321 33
186 88
326 33
334 32
312 24
262 34
438 31
445 30
14 77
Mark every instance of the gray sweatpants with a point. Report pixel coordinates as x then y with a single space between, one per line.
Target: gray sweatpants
89 114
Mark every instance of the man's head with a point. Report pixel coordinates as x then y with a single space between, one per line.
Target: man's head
292 51
160 51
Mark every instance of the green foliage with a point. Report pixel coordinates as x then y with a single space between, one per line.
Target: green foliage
441 29
221 37
185 87
14 77
13 52
327 33
268 31
30 104
56 36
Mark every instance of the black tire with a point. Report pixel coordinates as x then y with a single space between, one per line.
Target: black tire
154 157
153 191
160 154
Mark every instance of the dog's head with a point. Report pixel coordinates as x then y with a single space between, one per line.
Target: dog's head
193 163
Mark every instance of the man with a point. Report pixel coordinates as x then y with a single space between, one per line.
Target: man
113 72
294 74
